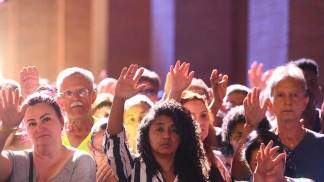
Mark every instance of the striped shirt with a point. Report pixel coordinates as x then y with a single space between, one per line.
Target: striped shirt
127 166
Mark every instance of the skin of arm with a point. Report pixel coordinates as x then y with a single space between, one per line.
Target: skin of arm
11 115
126 87
254 113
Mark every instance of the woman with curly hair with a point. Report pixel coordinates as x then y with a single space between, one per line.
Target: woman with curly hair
168 143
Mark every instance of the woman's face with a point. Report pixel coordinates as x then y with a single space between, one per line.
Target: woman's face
44 127
163 137
199 113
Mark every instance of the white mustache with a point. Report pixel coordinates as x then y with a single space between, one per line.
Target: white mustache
77 103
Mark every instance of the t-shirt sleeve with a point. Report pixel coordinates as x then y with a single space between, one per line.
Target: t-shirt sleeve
85 168
119 156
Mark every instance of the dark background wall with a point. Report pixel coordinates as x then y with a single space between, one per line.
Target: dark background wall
223 34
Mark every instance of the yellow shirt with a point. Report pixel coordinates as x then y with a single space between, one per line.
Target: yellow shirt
83 145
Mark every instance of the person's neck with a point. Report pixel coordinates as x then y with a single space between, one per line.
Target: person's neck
48 153
79 127
290 132
167 164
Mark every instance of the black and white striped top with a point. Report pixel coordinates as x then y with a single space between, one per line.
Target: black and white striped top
127 166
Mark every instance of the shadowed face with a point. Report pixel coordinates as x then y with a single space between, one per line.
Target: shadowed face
288 100
163 137
199 113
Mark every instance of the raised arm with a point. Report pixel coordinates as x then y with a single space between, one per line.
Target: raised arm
219 85
11 115
180 78
254 114
29 80
126 87
257 77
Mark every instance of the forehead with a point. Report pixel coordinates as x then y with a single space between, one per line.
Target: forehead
288 84
237 96
140 107
37 110
76 81
195 104
163 120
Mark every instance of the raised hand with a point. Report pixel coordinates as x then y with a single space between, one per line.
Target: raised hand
11 114
219 85
105 173
29 80
254 112
257 77
270 165
127 83
180 78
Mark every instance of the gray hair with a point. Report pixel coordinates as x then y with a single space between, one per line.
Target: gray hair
283 72
72 71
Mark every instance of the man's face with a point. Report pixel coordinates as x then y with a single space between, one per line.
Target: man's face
76 96
288 100
235 98
149 90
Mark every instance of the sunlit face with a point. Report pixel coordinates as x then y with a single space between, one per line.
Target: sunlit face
163 137
149 90
44 127
199 113
76 96
96 147
288 100
236 135
133 117
235 99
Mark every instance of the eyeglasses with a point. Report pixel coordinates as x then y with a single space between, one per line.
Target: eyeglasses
81 92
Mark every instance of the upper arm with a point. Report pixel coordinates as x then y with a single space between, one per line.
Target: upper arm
85 169
5 166
119 157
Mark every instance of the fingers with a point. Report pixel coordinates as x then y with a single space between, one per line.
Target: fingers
280 158
122 73
100 174
138 75
265 105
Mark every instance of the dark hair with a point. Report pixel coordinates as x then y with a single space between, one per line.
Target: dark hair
235 116
263 137
190 159
307 64
43 97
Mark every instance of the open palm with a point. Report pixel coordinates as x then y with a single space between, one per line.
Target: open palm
10 112
127 83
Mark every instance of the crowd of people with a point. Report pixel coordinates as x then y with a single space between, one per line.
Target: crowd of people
133 128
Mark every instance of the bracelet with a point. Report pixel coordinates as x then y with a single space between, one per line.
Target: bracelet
5 129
